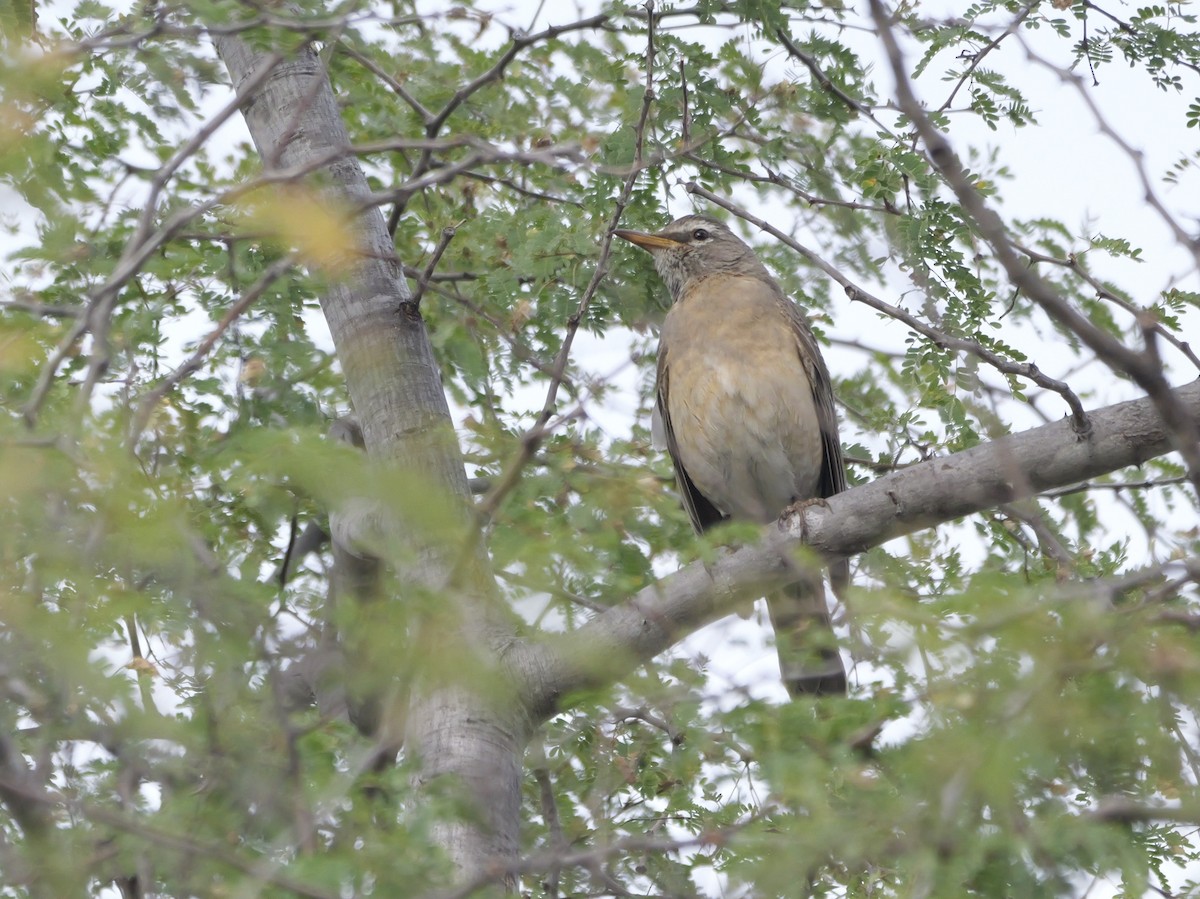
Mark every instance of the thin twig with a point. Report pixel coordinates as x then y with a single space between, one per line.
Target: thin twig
100 313
977 58
422 282
626 713
519 349
826 83
554 860
523 191
434 121
558 840
1116 486
1102 292
101 299
1051 546
397 88
1137 157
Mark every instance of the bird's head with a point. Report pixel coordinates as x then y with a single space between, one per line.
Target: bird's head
694 247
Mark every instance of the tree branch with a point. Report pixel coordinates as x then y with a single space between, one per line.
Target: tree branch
921 496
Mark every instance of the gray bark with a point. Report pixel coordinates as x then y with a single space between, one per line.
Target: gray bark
396 390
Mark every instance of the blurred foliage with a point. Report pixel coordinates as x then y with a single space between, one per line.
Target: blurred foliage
145 639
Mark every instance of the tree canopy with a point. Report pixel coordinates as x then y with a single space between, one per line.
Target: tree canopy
338 559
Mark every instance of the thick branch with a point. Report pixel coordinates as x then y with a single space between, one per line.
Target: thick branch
918 497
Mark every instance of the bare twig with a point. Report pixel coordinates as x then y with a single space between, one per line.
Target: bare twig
1136 157
853 104
163 174
1124 810
399 89
100 312
554 590
1029 514
557 860
434 121
625 713
523 191
423 281
1116 486
1128 28
788 184
518 348
558 840
102 299
310 540
263 870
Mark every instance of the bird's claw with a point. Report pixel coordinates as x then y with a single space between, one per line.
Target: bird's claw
801 504
797 509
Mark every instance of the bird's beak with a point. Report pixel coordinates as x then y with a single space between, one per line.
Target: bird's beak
648 241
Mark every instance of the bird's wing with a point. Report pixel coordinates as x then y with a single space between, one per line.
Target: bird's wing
702 512
833 467
833 470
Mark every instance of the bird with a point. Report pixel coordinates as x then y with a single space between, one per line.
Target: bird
745 407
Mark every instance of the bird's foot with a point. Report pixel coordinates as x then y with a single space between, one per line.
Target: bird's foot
802 504
797 509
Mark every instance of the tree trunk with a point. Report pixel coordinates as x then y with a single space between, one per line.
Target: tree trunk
396 389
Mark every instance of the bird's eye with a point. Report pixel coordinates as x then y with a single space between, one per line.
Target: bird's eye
699 234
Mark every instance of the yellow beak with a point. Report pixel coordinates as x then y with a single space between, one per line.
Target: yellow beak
647 241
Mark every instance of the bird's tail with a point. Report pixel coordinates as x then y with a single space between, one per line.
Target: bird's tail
809 661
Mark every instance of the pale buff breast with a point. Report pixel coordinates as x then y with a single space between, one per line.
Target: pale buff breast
740 401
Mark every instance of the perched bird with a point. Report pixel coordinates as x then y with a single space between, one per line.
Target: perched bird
746 409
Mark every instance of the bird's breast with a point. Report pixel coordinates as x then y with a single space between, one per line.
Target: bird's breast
740 402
